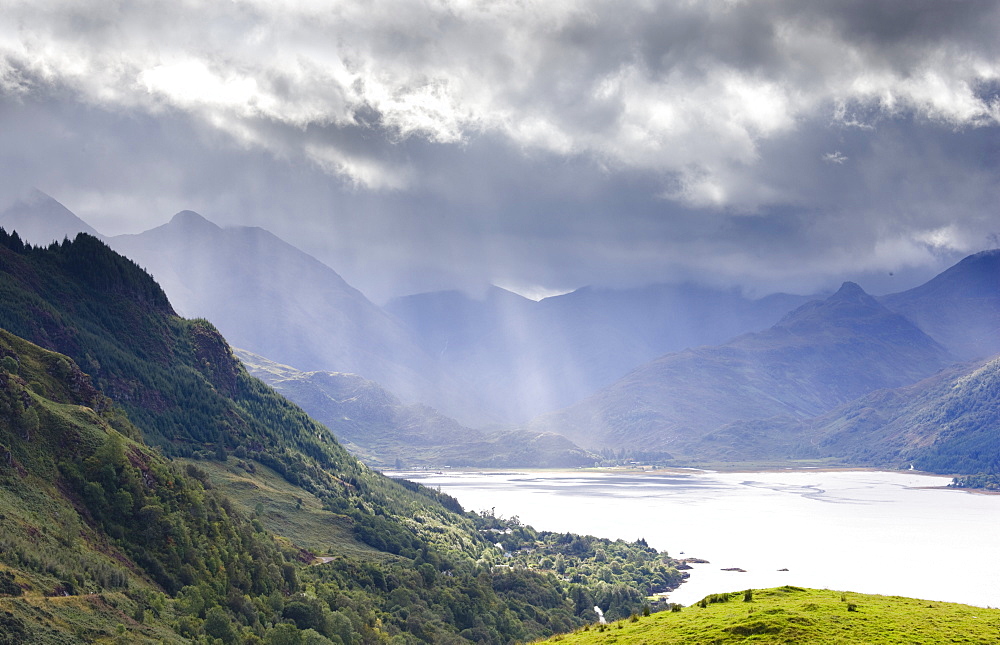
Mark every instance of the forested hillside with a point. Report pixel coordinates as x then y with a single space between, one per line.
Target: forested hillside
113 540
945 424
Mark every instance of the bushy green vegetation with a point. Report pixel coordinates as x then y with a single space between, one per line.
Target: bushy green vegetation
795 615
108 539
86 510
982 481
614 574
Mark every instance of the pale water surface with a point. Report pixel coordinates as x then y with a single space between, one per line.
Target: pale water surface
871 532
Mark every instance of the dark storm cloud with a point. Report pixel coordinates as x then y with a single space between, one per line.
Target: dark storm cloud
418 145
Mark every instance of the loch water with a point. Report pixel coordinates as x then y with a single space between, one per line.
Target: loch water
889 533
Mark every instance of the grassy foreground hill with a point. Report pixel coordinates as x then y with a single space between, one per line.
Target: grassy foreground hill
796 615
168 495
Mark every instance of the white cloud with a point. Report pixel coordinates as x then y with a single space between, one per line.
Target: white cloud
623 83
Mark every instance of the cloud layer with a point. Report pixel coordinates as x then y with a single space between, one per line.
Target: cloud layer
549 143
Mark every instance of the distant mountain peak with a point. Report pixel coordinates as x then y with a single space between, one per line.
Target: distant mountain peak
191 219
851 291
984 263
35 197
988 254
40 219
849 303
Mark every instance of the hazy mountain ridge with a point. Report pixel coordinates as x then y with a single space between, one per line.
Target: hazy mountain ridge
538 356
946 423
268 296
960 308
275 300
524 355
377 426
823 354
478 361
40 220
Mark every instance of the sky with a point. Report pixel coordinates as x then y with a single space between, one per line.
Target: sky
542 146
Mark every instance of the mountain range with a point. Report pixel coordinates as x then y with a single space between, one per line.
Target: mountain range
447 378
960 308
540 356
271 298
820 355
497 360
946 423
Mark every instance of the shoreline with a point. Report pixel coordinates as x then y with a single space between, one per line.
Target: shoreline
659 470
687 470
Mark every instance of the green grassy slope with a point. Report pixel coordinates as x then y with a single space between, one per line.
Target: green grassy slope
795 615
283 509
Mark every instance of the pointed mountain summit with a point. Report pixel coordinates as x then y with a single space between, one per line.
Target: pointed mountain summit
960 308
821 355
849 303
40 220
192 221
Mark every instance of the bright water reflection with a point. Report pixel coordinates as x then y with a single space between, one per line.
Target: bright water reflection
871 532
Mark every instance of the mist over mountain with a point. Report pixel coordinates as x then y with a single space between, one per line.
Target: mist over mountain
386 433
153 490
662 367
500 358
534 357
823 354
271 298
